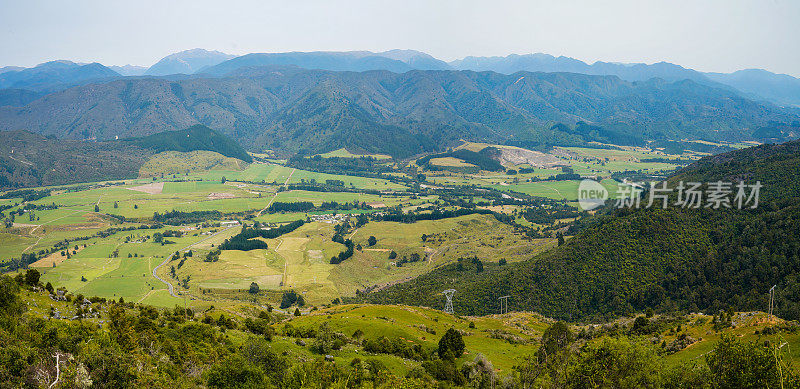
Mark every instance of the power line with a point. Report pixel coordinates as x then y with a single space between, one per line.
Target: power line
771 300
504 304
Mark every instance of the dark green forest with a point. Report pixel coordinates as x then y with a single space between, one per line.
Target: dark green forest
197 137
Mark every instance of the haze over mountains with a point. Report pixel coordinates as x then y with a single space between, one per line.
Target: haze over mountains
187 62
319 101
780 89
291 109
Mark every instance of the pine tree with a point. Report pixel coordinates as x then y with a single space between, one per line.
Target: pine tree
451 345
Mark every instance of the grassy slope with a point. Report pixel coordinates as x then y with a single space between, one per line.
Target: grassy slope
174 162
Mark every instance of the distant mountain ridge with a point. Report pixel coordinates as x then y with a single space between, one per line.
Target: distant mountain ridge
187 62
54 75
779 89
336 61
547 63
129 70
293 110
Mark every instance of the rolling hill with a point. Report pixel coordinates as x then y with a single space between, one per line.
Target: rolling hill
31 160
194 138
292 110
627 260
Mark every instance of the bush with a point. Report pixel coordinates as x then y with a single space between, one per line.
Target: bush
394 346
738 364
32 277
327 341
451 345
616 363
235 372
288 299
9 296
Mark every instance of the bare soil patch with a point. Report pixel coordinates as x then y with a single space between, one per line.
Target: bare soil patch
153 188
220 195
515 156
54 258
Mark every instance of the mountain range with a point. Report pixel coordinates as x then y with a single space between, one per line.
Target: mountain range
320 101
294 110
780 89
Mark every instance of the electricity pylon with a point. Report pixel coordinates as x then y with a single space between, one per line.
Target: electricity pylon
448 307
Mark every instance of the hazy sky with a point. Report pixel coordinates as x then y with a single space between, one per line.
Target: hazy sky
723 35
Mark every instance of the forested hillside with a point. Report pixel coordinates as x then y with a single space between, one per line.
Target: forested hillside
30 160
628 260
290 110
194 138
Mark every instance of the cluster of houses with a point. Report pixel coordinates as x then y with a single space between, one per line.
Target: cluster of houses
329 217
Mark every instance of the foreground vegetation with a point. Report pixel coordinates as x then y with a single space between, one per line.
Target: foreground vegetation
52 338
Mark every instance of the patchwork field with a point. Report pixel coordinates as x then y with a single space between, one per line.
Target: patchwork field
94 270
299 260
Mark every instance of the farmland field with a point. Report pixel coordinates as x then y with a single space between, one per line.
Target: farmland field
299 260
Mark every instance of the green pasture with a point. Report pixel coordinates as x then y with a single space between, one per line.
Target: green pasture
410 324
301 259
12 245
558 190
280 174
122 276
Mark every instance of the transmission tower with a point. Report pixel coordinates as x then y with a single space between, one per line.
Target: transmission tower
448 307
504 304
771 300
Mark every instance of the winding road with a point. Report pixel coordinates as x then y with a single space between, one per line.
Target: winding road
169 285
285 185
